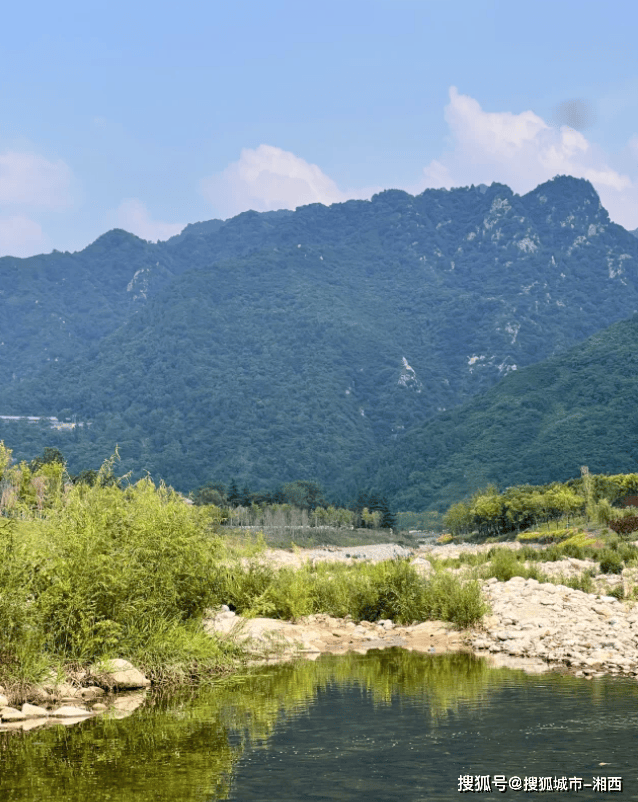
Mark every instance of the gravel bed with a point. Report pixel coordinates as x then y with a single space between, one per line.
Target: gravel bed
373 552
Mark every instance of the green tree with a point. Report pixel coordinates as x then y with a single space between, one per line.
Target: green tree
233 494
459 518
304 494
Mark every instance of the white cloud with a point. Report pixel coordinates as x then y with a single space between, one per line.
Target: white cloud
269 178
522 151
20 236
32 180
133 216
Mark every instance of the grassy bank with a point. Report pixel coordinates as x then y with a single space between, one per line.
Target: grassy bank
108 571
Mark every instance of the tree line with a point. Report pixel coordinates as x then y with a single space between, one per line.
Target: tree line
299 503
38 485
601 498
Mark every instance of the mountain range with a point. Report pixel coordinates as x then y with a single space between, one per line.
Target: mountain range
329 343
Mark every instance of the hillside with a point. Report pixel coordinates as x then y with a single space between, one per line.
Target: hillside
295 345
538 425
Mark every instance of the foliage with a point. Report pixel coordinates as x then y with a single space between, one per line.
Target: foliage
505 564
625 526
610 562
489 513
539 424
111 570
316 345
390 589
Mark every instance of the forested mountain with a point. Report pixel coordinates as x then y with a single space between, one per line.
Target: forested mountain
538 425
296 345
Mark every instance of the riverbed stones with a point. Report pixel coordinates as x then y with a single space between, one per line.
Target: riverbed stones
12 714
92 692
34 711
118 674
559 625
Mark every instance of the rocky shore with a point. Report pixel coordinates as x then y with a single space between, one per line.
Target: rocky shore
531 625
115 688
558 628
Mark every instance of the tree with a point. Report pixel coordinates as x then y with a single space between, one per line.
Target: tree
50 455
568 502
85 477
459 519
244 497
208 495
304 494
233 494
387 519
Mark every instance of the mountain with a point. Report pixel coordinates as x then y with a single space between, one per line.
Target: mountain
298 345
538 425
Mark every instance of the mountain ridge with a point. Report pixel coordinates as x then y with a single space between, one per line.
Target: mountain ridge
292 345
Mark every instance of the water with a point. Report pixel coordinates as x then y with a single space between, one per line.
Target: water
390 725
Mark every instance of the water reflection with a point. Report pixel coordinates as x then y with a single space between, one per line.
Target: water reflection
359 725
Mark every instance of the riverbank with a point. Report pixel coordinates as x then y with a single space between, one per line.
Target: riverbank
531 624
536 626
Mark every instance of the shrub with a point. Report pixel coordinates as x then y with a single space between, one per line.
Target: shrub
618 592
391 589
625 526
504 565
582 582
610 562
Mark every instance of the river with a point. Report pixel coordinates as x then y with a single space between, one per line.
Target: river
378 727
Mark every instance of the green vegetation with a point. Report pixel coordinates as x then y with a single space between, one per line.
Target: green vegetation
315 345
490 513
110 568
366 592
539 424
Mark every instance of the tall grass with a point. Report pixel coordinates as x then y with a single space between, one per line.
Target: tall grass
117 571
111 572
391 589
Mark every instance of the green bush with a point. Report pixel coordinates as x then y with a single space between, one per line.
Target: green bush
618 592
610 562
505 564
582 582
107 572
367 592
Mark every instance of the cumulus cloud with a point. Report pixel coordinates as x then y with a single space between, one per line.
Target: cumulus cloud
522 151
133 216
20 236
269 178
32 180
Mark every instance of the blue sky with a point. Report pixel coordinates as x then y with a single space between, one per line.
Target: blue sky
149 116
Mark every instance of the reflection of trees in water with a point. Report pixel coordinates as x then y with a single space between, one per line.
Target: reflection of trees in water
185 747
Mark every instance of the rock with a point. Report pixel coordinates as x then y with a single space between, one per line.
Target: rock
12 714
38 694
69 711
92 692
99 707
63 691
119 673
4 702
34 711
129 702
